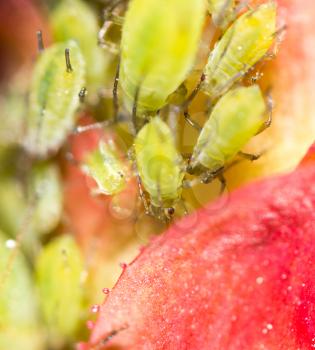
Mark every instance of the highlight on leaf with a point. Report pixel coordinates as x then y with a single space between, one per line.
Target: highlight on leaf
53 98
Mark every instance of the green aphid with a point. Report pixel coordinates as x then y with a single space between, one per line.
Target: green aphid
59 271
38 200
235 119
241 47
159 43
222 11
106 168
19 321
76 20
58 77
44 189
159 164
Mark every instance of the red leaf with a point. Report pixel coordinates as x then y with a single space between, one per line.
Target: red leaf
242 279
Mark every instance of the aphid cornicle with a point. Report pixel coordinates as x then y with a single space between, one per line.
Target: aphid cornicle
76 20
105 167
235 119
241 47
222 12
53 97
159 43
159 164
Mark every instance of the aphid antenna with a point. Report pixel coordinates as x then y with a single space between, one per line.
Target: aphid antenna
68 61
115 92
40 42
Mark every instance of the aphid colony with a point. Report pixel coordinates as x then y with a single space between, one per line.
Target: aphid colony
158 50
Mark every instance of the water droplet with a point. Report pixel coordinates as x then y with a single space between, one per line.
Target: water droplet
10 243
284 276
123 265
269 326
95 308
259 280
90 324
105 290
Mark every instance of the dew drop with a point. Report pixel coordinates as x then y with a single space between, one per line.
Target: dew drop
90 324
123 265
259 280
105 290
95 308
10 243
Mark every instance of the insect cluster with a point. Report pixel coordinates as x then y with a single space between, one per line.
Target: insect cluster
156 55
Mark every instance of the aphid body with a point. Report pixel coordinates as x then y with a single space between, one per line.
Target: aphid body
76 20
53 98
159 164
106 168
235 119
242 46
159 43
222 12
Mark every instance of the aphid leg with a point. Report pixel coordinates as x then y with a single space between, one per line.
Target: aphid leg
249 156
270 106
115 92
40 42
142 195
222 180
99 125
182 201
134 110
110 17
68 62
194 92
191 122
82 94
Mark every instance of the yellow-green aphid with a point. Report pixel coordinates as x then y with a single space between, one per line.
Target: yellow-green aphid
222 12
235 119
242 46
59 271
76 20
159 164
19 322
53 98
159 43
106 168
